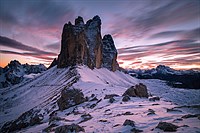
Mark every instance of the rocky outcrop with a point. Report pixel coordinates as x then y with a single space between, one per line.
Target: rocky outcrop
128 122
54 63
70 97
29 118
139 90
109 53
82 44
167 127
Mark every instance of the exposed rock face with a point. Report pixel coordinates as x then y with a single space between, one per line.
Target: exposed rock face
109 53
82 44
54 63
94 40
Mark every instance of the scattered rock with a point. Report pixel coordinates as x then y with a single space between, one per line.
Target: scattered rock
155 104
134 130
69 128
169 127
154 98
92 95
125 98
86 117
127 113
94 99
129 123
190 116
103 120
70 97
116 125
139 90
93 105
184 126
110 96
173 110
111 100
151 112
178 119
107 110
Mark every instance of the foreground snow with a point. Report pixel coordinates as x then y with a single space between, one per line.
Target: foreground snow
44 90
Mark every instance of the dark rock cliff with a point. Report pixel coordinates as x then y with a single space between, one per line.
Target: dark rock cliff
83 44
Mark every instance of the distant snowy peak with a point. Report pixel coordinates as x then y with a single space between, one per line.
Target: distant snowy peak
15 72
162 69
185 78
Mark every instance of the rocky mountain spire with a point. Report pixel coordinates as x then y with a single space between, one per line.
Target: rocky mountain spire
109 53
82 44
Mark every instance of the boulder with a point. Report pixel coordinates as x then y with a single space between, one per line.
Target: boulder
128 122
130 92
154 98
125 98
110 96
70 97
139 90
85 117
111 100
168 127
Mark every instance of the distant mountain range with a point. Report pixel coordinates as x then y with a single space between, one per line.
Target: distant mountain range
15 72
176 78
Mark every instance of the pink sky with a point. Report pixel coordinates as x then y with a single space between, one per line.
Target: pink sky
146 33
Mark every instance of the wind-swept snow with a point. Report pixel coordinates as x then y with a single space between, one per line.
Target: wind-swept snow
99 114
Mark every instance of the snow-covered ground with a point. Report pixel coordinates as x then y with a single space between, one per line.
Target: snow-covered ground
43 92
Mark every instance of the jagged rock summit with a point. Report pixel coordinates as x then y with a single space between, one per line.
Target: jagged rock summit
83 44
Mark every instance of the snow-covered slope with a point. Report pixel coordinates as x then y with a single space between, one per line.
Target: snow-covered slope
96 114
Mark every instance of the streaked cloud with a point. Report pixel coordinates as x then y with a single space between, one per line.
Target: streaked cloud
182 52
146 32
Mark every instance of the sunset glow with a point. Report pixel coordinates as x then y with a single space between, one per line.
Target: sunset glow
146 33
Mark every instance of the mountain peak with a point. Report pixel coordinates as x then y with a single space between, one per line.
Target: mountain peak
83 44
79 21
